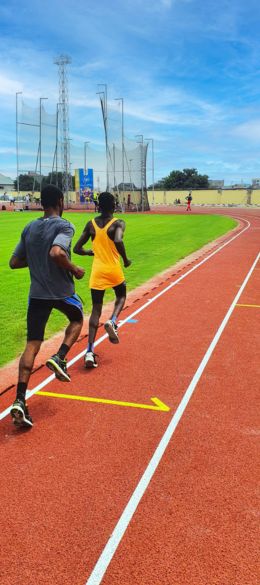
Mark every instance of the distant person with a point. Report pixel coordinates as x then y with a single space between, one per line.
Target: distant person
128 200
117 204
95 200
189 200
44 248
106 233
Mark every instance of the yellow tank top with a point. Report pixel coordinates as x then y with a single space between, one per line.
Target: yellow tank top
106 268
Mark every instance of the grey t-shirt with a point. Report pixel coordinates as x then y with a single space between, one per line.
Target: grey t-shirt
48 281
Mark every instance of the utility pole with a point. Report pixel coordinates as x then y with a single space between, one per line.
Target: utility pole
55 158
104 113
130 173
40 142
122 140
17 143
142 168
152 141
85 161
85 156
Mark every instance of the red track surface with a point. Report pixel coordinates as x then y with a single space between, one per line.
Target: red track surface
65 483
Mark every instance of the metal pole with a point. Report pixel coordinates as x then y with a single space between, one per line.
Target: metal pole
131 182
152 141
40 141
85 162
57 139
85 156
105 124
114 165
17 155
55 157
69 170
122 140
142 168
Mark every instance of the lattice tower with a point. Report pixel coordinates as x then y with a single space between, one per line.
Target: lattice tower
62 61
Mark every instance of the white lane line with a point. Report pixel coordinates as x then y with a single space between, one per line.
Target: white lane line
120 528
30 393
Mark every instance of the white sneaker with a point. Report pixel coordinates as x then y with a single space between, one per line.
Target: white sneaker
111 329
90 360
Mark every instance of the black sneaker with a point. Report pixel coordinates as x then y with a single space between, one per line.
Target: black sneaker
59 367
90 360
111 328
20 414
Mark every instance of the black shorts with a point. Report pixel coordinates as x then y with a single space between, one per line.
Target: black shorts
98 295
39 311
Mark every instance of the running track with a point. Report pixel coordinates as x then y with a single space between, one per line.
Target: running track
118 495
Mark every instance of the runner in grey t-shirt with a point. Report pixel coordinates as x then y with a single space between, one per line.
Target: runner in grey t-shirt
48 280
45 249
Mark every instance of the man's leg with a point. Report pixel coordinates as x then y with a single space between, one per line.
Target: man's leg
110 325
72 308
97 303
93 323
37 317
120 301
27 360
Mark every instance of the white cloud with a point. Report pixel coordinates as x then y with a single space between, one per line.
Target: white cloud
9 86
249 130
166 3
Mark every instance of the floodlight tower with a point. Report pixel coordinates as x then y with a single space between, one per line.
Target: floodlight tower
63 61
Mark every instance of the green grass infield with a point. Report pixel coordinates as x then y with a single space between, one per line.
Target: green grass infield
153 243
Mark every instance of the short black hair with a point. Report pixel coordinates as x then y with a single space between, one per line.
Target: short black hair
106 201
50 196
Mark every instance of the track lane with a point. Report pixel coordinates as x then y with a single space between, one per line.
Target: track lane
198 520
100 444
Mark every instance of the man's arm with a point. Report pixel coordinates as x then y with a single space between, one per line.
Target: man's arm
18 258
60 251
119 244
16 262
60 258
78 248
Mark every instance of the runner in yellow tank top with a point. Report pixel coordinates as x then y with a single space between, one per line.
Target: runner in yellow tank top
106 233
106 269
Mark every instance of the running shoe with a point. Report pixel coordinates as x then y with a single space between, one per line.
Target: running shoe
20 414
59 367
111 329
90 360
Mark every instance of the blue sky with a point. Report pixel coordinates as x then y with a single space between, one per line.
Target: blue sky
188 71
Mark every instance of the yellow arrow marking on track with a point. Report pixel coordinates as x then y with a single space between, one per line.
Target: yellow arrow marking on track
159 405
256 306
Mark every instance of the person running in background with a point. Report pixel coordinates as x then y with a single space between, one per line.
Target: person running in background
189 200
44 248
106 233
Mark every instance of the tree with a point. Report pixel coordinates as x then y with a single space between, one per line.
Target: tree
31 183
27 183
186 179
52 179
